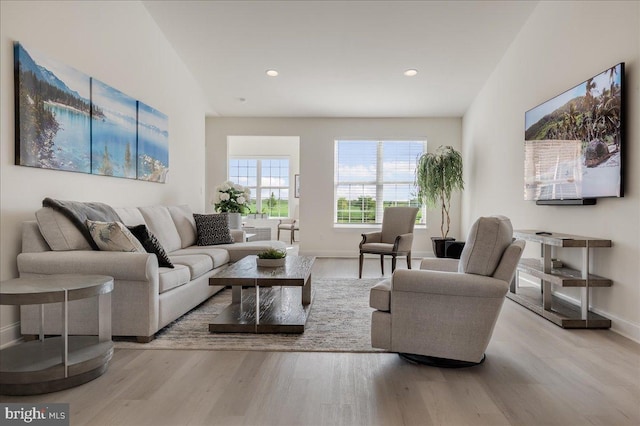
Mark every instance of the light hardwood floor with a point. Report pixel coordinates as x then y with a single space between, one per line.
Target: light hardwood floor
535 374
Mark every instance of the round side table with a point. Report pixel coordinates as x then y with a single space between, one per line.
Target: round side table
60 362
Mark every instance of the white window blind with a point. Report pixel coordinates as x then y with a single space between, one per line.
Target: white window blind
373 174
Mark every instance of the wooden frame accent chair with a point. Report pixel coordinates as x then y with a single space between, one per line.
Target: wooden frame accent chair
394 239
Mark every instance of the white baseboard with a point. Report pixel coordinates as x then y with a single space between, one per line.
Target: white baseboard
10 335
346 254
618 325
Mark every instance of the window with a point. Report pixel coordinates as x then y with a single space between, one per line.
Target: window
371 175
268 180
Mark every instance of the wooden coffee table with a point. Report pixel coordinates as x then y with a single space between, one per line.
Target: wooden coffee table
270 310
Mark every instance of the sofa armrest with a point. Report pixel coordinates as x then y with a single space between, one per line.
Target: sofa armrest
119 265
238 235
448 283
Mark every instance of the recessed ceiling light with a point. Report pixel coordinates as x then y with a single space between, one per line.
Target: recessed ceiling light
272 73
411 73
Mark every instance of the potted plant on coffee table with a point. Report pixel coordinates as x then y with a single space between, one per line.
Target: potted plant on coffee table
272 258
438 175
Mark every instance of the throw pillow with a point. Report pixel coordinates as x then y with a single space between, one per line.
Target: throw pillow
212 229
113 236
151 244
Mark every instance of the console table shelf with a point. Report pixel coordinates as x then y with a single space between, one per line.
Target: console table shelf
563 277
543 301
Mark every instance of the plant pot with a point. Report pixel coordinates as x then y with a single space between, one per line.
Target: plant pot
439 245
235 220
271 263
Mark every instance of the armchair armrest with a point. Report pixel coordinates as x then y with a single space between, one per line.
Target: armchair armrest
439 264
403 242
371 237
119 265
448 283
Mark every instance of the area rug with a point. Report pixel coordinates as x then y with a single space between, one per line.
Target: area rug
340 321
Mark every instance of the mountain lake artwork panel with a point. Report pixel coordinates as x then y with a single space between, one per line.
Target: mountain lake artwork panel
113 132
52 113
153 144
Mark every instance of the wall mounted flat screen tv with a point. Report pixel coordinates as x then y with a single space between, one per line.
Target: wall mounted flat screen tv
574 143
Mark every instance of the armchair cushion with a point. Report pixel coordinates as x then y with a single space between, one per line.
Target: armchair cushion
376 248
487 240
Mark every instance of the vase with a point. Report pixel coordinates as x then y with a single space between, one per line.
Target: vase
235 220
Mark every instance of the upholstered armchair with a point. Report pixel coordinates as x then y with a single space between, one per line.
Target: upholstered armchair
444 314
291 224
394 239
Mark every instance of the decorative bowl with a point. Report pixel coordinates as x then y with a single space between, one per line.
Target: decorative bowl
271 263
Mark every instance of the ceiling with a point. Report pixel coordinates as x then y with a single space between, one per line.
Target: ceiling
340 58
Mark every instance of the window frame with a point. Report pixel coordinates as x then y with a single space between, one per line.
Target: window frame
378 182
258 187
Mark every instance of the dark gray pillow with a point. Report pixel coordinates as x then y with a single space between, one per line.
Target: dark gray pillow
151 244
212 229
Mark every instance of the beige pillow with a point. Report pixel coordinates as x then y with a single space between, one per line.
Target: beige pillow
114 236
59 232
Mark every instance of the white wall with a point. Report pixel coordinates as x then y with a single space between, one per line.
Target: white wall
562 44
317 136
119 44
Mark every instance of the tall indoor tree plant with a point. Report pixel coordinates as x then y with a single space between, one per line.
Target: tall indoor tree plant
438 175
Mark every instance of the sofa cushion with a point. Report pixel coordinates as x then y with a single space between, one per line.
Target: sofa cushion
130 216
213 229
59 232
218 256
151 244
185 224
239 250
161 224
198 264
172 278
380 296
487 240
114 236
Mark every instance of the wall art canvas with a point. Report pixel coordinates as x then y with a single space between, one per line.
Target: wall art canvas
52 113
113 132
153 144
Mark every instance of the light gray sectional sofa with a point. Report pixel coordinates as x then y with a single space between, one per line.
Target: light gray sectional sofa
146 297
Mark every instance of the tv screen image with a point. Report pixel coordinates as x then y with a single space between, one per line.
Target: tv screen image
574 141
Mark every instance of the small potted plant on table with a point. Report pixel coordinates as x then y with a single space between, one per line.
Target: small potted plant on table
272 258
438 174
